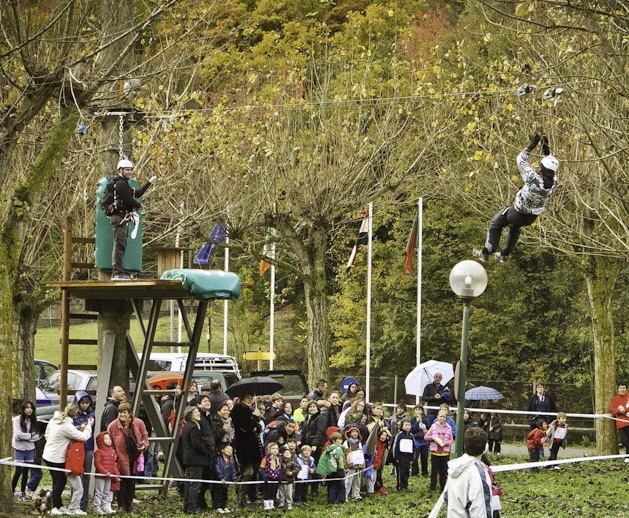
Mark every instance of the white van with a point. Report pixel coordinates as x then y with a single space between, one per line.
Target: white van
204 361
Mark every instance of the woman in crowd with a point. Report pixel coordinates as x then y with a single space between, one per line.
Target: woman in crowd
60 432
24 438
130 439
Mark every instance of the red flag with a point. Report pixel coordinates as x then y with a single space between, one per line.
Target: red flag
410 245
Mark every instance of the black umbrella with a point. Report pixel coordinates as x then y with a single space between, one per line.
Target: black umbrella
256 386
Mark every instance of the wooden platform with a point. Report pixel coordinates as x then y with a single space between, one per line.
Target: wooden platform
141 289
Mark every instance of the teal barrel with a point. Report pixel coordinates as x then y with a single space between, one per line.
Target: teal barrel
132 261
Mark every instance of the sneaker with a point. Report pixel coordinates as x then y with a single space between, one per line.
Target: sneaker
122 277
78 512
627 459
56 512
100 511
289 506
24 496
383 491
557 468
501 258
220 510
483 258
135 500
227 510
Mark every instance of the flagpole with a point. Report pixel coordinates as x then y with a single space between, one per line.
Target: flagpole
420 210
368 353
225 307
272 307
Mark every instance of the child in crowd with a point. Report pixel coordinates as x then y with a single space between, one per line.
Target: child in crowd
302 412
225 471
468 422
107 468
290 468
440 437
377 414
557 435
374 483
403 452
469 486
307 468
445 407
355 460
25 436
332 465
419 426
291 445
494 433
271 471
394 423
75 459
535 440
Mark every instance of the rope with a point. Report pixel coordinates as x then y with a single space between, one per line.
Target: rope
172 163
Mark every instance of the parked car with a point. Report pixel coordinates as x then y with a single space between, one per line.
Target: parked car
43 369
294 382
176 362
77 380
42 400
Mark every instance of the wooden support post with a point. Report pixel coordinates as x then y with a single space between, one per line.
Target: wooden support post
65 313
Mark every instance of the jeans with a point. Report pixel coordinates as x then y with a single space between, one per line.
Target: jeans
515 220
87 467
22 456
336 488
120 225
151 468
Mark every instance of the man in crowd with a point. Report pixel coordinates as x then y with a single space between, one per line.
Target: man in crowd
319 391
110 412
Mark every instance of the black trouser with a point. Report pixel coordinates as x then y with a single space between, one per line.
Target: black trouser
58 482
494 445
554 449
438 466
336 488
403 469
516 220
379 482
20 471
126 494
270 490
219 496
301 491
206 475
420 455
120 225
247 473
623 435
191 489
314 486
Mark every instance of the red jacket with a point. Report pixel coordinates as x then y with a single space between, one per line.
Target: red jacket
534 439
381 449
75 458
622 419
116 431
105 457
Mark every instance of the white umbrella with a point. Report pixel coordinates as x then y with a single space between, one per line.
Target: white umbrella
424 374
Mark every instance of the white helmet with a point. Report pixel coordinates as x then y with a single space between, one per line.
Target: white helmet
550 163
122 164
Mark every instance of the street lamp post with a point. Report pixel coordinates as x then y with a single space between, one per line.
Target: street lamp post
468 280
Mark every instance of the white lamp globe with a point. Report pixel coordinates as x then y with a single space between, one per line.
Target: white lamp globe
468 279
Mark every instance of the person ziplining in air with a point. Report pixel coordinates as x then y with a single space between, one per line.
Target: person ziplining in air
529 203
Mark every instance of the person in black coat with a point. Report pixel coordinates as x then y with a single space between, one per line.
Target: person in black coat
208 431
248 447
433 396
541 402
195 457
217 397
314 428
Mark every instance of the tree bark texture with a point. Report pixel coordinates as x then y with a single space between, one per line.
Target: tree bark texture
600 277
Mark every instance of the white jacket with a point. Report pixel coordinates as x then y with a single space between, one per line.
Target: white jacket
23 441
59 434
468 492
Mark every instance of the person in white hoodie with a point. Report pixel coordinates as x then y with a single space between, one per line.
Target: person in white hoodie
60 432
468 491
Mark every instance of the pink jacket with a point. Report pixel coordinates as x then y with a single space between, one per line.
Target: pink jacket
116 431
444 433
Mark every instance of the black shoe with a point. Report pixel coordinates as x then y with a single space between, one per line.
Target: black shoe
483 258
501 258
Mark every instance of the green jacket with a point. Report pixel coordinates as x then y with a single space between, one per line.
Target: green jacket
332 459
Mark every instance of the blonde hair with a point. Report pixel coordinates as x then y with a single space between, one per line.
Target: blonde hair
71 410
562 414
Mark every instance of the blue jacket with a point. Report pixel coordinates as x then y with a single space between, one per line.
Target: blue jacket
226 472
417 430
82 417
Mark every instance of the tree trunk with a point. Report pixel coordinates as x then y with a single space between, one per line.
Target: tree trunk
311 257
25 317
600 277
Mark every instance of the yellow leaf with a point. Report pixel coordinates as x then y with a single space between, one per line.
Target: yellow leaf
522 10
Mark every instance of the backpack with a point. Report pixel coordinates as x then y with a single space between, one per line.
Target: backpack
109 202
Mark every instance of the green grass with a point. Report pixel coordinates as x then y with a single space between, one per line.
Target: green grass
587 489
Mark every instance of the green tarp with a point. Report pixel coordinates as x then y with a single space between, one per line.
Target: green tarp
207 284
